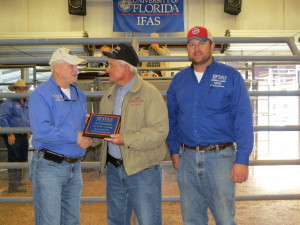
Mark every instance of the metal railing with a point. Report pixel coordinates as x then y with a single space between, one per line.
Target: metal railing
136 41
164 198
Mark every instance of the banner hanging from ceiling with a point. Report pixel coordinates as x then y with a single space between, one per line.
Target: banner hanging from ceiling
148 16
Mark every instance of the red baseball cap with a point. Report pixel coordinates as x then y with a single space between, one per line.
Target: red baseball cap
200 33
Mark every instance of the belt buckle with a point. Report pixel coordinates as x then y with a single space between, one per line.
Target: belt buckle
198 149
118 163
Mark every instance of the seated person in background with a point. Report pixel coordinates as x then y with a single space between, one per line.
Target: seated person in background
154 50
102 65
104 48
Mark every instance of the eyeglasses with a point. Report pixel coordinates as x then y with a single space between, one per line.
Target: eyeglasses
65 97
194 45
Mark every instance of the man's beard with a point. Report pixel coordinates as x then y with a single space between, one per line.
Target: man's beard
202 62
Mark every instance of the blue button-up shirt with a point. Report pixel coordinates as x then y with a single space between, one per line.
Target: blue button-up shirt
114 150
55 120
14 114
213 111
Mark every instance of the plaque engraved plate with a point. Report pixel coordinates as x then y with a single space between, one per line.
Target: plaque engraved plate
102 125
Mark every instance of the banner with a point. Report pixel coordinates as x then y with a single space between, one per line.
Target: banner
148 16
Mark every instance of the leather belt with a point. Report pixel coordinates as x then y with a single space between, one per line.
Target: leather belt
209 147
114 161
58 157
72 160
20 134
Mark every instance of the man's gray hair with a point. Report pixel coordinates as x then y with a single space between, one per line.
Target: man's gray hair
57 62
133 69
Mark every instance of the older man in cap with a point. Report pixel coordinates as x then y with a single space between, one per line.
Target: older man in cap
14 113
133 155
57 110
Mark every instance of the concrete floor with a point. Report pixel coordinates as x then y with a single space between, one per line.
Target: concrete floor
263 180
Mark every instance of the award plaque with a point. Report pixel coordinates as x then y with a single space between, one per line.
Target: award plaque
102 125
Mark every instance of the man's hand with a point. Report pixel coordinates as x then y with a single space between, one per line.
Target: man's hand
28 136
116 139
84 142
175 160
239 173
11 139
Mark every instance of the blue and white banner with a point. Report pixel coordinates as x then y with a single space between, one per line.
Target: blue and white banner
148 16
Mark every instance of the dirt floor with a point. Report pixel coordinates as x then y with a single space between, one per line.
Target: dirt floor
263 180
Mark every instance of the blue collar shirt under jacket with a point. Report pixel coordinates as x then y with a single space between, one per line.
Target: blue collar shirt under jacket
55 120
213 111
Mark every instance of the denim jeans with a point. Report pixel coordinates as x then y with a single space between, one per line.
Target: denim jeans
140 192
56 191
203 180
16 153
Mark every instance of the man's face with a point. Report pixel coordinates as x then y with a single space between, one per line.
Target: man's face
67 72
199 52
116 71
20 89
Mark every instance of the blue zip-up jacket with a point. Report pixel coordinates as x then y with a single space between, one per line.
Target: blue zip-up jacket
14 114
55 122
213 111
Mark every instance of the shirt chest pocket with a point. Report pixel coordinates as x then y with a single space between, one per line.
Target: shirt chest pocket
217 99
135 115
18 110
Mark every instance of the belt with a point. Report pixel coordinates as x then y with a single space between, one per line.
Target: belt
55 157
21 134
114 161
209 147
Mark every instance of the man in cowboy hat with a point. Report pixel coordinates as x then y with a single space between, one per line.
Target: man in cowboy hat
14 113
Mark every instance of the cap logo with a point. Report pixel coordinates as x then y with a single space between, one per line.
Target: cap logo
117 49
196 31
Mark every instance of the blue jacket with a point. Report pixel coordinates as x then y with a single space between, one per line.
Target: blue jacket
14 114
54 122
213 111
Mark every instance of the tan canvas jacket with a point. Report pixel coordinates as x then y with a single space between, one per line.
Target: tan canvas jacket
144 124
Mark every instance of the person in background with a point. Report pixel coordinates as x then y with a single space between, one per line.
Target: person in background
132 157
209 110
104 48
154 50
102 65
14 113
57 110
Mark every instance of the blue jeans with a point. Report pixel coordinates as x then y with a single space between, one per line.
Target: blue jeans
56 191
140 192
16 153
203 180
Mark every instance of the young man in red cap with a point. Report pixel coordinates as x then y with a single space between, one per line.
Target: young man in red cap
209 111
